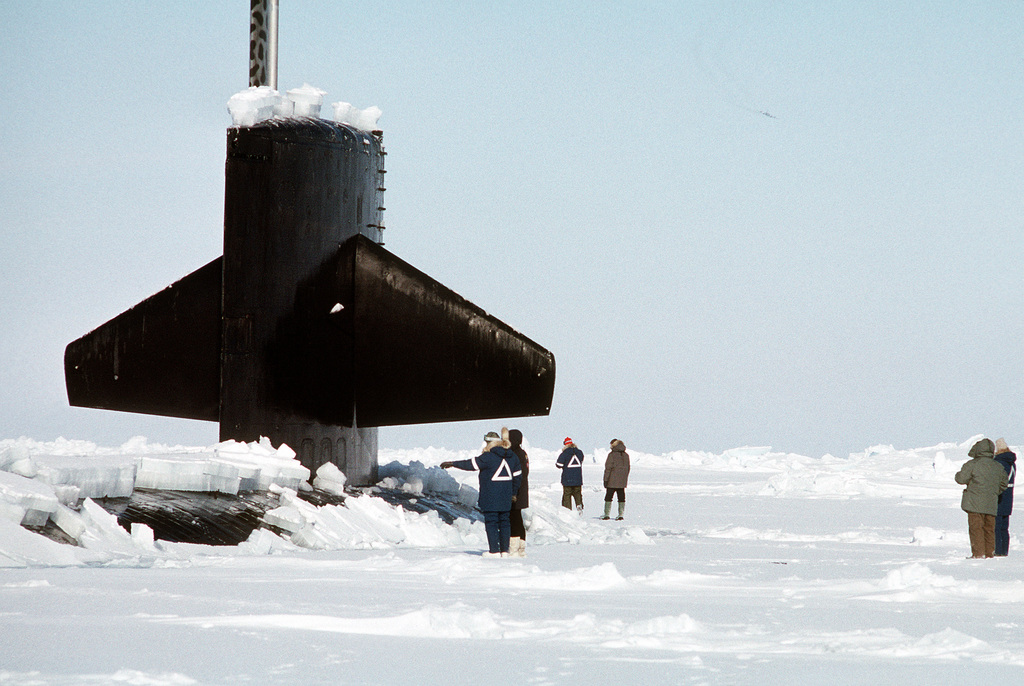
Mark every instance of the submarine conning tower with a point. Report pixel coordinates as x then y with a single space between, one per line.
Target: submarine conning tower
295 191
307 331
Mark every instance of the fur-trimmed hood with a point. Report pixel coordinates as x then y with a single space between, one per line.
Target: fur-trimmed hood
504 442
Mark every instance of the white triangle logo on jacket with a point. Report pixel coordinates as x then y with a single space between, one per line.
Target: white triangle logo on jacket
574 461
503 472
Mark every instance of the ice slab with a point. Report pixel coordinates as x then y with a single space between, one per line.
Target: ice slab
331 479
306 101
364 120
68 521
36 499
188 472
99 476
253 105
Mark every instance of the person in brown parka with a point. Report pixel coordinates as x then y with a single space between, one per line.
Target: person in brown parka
616 476
984 479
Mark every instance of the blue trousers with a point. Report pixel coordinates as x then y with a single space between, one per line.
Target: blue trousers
498 530
1002 535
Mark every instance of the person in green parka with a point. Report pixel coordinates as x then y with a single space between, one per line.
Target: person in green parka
984 479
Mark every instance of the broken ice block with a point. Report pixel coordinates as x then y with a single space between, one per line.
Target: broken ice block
68 521
34 497
254 105
101 476
329 478
307 100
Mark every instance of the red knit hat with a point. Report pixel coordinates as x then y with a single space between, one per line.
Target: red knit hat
567 441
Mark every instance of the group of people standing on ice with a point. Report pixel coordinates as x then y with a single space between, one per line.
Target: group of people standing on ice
504 469
616 476
988 496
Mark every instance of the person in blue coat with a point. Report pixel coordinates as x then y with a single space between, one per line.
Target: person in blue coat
500 476
1008 460
571 464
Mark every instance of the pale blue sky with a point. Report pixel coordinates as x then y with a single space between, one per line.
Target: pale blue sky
605 177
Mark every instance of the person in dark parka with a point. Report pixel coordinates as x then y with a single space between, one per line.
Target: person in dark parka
1008 460
500 477
616 476
984 479
570 461
517 542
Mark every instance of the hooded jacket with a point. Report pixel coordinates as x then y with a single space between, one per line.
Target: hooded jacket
515 437
616 466
1008 460
984 479
571 464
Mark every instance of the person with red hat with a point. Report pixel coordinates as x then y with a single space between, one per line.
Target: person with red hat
571 464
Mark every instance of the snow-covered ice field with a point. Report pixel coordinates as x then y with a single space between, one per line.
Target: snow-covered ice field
748 567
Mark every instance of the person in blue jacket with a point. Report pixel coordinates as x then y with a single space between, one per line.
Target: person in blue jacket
571 464
1008 460
500 476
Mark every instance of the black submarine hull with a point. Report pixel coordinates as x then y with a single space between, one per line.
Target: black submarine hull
307 330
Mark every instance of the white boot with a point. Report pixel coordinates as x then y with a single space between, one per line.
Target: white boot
513 546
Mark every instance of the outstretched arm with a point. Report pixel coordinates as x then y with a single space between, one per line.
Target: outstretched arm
465 465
